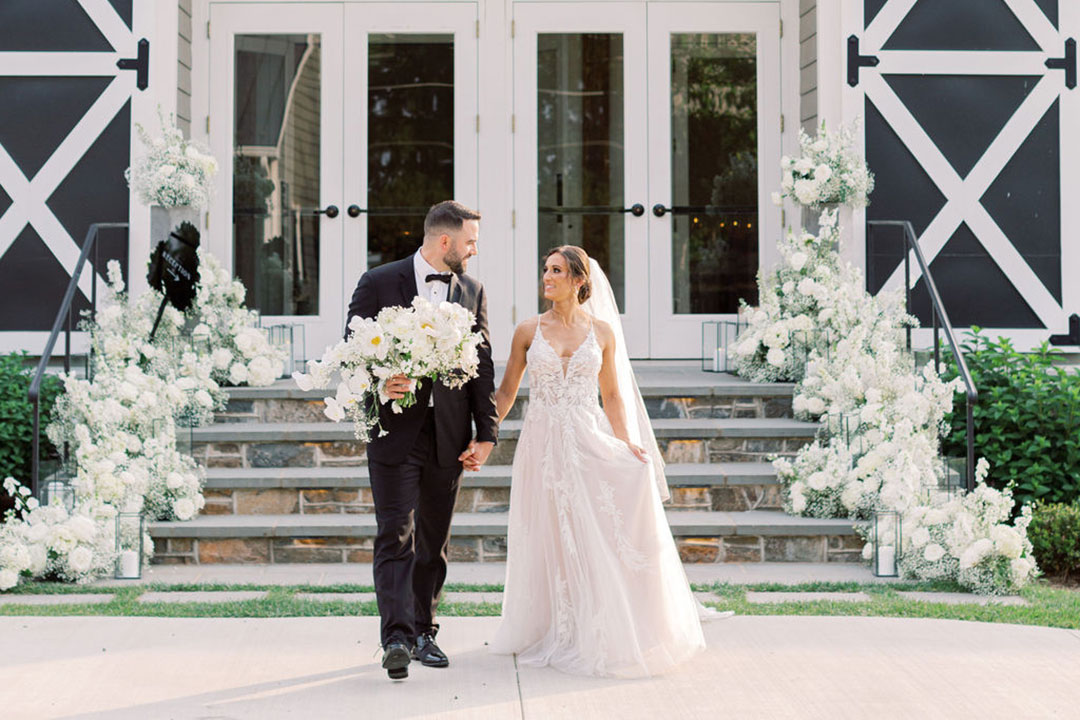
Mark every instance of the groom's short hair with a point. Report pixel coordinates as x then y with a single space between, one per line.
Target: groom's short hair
448 215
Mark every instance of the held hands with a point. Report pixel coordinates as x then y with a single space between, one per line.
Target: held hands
476 455
398 385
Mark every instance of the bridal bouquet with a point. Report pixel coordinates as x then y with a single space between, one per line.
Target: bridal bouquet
829 171
421 341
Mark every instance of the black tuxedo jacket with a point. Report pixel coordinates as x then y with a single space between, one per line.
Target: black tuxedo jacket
455 410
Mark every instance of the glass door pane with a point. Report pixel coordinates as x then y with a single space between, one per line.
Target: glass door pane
714 151
276 163
276 114
410 124
410 145
580 147
714 184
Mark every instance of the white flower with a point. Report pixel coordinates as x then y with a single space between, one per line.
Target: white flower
975 553
184 509
777 199
920 537
333 409
775 357
933 552
815 406
238 373
797 261
8 579
304 382
822 172
222 358
1007 541
80 560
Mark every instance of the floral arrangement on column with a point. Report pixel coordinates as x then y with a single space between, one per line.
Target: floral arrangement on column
174 172
817 325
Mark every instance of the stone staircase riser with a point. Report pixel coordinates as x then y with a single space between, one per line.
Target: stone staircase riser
335 453
492 548
329 501
658 406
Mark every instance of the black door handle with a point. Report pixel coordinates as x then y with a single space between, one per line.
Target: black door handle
354 210
331 211
637 210
659 210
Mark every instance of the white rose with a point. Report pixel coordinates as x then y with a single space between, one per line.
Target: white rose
80 560
1007 541
238 373
8 579
920 537
263 372
933 552
806 192
221 357
822 172
15 556
804 165
83 528
184 509
174 480
746 347
975 552
817 481
775 357
815 406
797 261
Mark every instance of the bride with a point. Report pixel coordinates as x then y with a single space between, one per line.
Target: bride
594 583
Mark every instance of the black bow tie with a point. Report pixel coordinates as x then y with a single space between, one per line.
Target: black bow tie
441 277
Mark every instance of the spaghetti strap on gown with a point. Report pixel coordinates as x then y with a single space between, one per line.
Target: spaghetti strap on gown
594 583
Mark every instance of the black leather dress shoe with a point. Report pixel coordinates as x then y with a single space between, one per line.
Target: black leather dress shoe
395 660
428 653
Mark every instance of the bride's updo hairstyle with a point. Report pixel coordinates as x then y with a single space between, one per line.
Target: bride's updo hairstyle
578 263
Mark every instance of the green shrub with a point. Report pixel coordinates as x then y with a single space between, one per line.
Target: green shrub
1027 420
17 416
1055 536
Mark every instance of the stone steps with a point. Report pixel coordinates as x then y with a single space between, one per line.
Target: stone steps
328 490
321 444
286 485
751 536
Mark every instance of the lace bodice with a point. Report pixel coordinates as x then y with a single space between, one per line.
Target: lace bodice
556 386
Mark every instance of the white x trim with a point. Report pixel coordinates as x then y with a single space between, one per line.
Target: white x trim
963 194
30 196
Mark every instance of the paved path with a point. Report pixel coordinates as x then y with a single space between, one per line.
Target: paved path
756 667
483 573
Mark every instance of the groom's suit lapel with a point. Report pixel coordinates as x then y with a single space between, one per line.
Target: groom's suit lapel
407 281
453 294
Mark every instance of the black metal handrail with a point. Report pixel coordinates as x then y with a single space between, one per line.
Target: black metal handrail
939 317
89 245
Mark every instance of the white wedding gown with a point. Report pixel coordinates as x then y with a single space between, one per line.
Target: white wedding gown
594 583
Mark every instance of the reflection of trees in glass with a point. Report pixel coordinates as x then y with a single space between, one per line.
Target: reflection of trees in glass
580 147
410 137
714 103
252 187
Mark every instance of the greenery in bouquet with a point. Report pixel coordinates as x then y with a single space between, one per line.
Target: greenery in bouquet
173 172
829 171
430 342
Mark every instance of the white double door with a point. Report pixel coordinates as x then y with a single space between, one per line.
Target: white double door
342 123
649 133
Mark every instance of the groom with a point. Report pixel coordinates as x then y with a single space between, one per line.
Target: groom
416 467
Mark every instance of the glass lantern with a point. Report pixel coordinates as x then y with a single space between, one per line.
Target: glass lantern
953 480
130 529
56 488
291 338
718 338
886 543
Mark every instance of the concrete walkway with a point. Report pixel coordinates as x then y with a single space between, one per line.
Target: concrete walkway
755 667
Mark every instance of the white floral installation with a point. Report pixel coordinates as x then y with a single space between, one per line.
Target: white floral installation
422 341
47 542
121 425
828 172
854 370
174 172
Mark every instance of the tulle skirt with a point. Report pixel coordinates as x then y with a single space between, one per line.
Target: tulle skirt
594 583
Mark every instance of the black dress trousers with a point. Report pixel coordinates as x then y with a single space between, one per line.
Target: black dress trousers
414 502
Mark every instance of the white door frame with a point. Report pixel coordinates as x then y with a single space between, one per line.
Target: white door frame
361 19
280 18
679 335
627 19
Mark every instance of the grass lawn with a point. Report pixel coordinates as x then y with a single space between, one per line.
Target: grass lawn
1049 605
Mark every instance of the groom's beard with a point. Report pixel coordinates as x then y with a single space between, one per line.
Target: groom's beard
455 262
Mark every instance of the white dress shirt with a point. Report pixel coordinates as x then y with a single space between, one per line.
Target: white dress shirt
436 291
